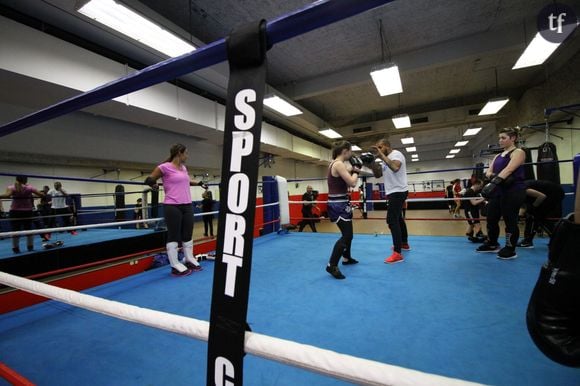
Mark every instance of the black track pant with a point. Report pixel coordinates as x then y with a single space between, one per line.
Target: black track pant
396 221
507 206
179 221
208 224
305 221
342 246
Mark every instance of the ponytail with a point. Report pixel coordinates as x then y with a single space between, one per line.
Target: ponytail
175 151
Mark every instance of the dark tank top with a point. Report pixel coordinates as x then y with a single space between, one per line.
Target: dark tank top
519 174
336 185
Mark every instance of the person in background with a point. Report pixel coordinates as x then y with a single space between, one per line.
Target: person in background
308 218
60 209
506 193
177 208
457 196
206 207
449 195
21 210
393 169
139 214
542 200
42 213
472 213
341 175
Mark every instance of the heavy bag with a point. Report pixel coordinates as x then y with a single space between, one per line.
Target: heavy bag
553 315
529 168
549 171
119 202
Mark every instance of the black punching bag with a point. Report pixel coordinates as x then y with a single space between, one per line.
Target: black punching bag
479 171
549 171
529 168
119 203
553 315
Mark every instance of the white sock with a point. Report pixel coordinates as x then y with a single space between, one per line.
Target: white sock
173 258
188 252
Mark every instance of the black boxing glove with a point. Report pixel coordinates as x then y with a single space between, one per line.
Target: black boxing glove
553 314
356 162
367 158
489 189
202 184
151 182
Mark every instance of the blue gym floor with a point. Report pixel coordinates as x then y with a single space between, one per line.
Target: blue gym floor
83 237
445 310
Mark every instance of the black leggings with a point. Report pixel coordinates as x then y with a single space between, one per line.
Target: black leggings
507 206
342 245
396 221
179 221
208 223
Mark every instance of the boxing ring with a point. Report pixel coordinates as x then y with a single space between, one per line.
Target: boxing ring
447 314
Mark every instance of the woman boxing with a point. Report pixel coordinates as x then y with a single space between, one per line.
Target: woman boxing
21 210
177 208
340 177
506 193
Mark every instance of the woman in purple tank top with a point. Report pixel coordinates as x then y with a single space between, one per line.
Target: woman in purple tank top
21 210
341 175
506 193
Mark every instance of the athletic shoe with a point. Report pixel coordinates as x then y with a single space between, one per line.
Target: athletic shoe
335 272
193 267
405 247
45 237
16 250
396 257
73 233
349 261
477 240
488 248
526 244
176 273
507 253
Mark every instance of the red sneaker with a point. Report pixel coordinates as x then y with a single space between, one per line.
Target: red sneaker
74 233
405 247
396 257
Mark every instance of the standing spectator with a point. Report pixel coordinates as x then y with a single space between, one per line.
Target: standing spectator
449 194
139 213
307 216
60 209
457 196
21 210
472 213
206 207
42 213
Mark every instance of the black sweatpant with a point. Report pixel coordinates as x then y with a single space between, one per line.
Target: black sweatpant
396 220
342 245
208 224
307 215
506 205
179 221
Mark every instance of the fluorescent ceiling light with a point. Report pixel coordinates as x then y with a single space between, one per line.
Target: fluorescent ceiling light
330 133
473 131
493 106
461 143
355 148
454 151
401 121
411 149
415 160
536 53
450 156
387 79
414 155
129 23
407 141
280 105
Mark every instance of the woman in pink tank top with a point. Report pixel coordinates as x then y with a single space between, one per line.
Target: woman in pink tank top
21 210
177 208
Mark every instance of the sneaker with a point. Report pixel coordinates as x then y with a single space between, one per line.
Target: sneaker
45 237
176 273
405 247
348 261
476 240
193 267
525 244
16 250
73 233
335 272
396 257
507 253
488 248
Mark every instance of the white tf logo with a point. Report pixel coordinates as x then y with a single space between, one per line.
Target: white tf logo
559 20
556 22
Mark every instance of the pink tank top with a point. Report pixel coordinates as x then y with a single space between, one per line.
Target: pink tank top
175 184
22 200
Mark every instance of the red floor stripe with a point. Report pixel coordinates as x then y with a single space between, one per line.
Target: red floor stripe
13 377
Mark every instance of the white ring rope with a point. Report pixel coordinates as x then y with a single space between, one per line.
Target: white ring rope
340 366
103 225
426 199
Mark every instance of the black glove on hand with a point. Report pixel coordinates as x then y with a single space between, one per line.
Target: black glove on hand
367 158
202 184
491 187
151 182
356 162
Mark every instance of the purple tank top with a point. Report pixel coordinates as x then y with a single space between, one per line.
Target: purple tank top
23 200
519 174
336 185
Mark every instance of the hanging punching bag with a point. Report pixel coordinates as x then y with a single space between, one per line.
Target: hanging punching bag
549 171
529 168
119 202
